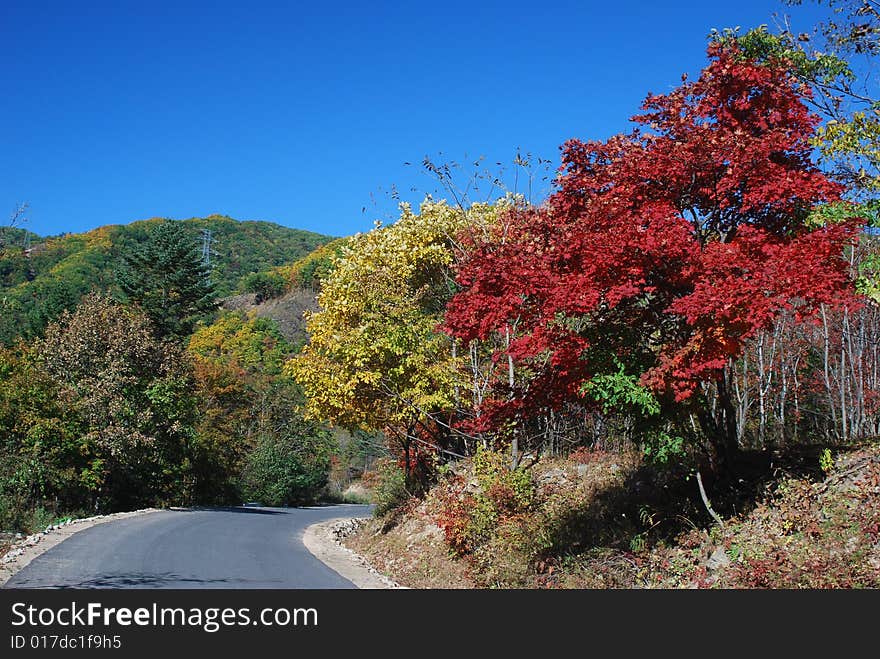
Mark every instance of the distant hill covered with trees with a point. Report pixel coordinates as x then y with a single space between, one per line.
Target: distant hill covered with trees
41 277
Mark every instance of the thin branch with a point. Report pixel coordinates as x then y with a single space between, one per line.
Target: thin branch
706 501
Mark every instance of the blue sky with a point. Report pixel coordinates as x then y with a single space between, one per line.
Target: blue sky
304 114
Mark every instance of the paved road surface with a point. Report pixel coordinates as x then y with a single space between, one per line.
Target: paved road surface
204 548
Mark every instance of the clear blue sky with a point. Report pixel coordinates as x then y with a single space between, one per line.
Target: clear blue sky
305 113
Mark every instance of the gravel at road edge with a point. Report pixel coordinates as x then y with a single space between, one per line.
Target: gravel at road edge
323 541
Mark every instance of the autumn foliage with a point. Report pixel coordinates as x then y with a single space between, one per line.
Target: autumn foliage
375 358
663 250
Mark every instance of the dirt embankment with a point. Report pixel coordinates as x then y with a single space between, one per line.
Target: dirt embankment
605 523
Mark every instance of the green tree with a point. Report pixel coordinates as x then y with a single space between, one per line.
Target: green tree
290 463
132 393
236 362
265 285
167 279
247 342
45 462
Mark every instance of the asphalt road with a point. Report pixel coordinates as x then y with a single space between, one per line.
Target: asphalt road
203 548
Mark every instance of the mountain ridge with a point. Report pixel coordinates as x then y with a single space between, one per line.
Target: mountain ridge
54 272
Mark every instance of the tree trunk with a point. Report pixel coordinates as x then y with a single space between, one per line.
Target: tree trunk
718 422
514 443
407 467
725 441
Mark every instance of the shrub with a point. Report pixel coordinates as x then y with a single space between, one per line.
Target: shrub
389 486
288 469
454 517
661 447
826 462
509 491
470 520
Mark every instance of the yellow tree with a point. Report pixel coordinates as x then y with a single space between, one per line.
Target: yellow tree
376 359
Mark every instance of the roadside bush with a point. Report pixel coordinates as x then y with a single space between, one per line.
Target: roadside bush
515 527
289 469
508 490
507 558
23 506
14 506
454 516
389 486
472 519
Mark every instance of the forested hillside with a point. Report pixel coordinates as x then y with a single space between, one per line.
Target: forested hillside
40 277
128 382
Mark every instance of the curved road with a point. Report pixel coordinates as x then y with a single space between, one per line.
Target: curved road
201 548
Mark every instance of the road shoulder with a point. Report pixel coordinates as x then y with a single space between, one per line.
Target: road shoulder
322 541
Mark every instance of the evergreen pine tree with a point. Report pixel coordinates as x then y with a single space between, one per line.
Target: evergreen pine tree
166 277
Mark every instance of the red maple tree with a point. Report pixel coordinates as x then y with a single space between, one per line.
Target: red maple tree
664 249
